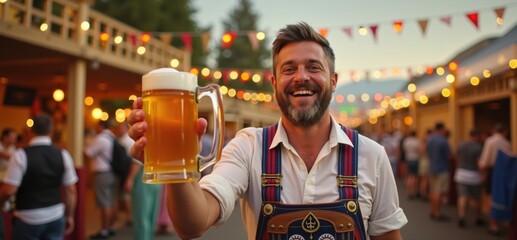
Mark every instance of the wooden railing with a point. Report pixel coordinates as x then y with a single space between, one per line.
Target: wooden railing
74 21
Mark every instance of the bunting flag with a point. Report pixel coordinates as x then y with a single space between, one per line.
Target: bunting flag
422 23
397 26
348 31
205 39
252 36
324 32
166 38
446 20
499 12
373 28
227 39
187 40
473 17
132 39
145 38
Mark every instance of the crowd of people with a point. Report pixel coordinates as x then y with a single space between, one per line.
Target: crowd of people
433 172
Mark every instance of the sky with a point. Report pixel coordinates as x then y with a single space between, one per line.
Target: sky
392 51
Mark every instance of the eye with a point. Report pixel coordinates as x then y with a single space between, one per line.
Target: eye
288 70
314 68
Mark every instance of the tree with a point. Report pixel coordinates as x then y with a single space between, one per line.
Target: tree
240 54
159 17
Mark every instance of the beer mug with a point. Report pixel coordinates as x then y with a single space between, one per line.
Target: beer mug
170 100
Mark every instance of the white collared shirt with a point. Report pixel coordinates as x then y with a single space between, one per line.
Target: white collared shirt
238 175
100 151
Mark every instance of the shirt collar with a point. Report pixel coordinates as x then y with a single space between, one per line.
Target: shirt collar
336 135
40 140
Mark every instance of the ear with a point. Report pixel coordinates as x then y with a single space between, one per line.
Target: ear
273 81
334 79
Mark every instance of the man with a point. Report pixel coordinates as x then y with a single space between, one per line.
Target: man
309 142
468 178
124 196
497 141
35 175
411 149
105 184
439 153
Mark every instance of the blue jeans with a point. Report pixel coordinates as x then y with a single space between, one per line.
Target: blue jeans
54 230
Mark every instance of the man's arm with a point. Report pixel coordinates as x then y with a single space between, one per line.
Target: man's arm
70 204
6 191
191 209
391 235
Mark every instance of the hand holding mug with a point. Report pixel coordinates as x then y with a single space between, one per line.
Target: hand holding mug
168 139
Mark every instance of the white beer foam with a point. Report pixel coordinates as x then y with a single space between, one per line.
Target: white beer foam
169 78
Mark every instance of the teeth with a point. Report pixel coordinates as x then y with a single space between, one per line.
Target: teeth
302 92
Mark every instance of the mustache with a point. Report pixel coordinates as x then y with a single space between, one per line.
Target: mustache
302 86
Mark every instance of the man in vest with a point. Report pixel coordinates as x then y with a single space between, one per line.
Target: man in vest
304 178
35 175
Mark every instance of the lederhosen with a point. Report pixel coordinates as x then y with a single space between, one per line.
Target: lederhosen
324 221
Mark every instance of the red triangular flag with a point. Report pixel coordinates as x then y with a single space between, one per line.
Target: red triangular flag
423 25
446 20
187 40
348 31
374 28
227 39
397 26
132 39
473 17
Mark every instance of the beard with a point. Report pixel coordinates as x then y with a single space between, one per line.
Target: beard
308 116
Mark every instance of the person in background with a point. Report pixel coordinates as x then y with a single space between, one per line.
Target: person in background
423 168
8 141
164 221
439 153
124 196
7 148
36 175
411 148
497 141
145 198
390 144
309 142
468 177
105 184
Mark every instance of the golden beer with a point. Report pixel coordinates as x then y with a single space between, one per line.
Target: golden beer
170 99
172 141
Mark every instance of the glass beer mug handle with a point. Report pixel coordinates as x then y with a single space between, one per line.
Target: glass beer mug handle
212 91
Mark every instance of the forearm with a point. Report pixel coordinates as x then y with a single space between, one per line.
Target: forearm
191 209
70 201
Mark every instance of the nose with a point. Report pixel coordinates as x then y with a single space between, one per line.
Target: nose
302 74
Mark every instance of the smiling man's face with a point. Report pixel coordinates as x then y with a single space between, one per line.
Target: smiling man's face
303 83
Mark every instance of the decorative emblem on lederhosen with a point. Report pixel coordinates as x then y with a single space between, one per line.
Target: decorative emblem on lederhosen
325 221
